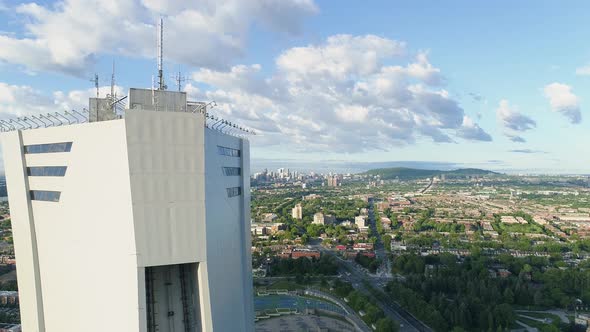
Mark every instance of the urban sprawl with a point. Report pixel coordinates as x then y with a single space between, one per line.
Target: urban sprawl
464 250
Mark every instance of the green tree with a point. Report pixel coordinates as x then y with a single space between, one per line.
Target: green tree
304 239
550 328
386 239
504 315
372 313
508 296
386 325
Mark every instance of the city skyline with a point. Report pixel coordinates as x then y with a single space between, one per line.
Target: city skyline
482 85
287 165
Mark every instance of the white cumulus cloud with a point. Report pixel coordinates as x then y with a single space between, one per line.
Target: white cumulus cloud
352 113
346 94
22 100
563 100
423 70
19 100
471 130
69 35
513 121
339 58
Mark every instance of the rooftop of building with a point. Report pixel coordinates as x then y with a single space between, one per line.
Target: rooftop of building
113 107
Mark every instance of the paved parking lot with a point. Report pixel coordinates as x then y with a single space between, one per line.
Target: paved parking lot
302 323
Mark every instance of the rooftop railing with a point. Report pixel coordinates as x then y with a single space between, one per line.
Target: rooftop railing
65 118
218 123
46 120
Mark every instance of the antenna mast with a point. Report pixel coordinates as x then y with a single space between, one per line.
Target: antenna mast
179 79
113 81
113 96
161 85
95 81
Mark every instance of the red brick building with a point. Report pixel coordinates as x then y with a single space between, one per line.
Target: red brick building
298 253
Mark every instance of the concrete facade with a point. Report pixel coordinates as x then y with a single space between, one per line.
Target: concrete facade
361 223
322 219
144 193
297 212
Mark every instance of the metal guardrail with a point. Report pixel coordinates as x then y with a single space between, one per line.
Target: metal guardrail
218 123
227 127
44 120
65 118
351 316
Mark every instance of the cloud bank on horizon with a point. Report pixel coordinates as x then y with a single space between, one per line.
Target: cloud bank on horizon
347 93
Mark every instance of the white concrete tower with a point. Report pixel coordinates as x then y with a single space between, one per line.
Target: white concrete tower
134 223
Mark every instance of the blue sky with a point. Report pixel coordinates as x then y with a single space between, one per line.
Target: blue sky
454 82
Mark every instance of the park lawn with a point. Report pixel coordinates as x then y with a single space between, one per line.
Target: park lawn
532 323
518 228
284 284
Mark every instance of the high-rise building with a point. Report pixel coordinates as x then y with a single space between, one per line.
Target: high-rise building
138 222
318 218
297 212
361 222
322 219
332 181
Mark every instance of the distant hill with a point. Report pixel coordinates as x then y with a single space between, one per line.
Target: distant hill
404 173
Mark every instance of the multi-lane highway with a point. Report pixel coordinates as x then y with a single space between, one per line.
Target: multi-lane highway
385 267
369 284
428 187
363 282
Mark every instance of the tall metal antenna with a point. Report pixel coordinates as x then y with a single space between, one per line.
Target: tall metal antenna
95 81
161 84
179 79
113 96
